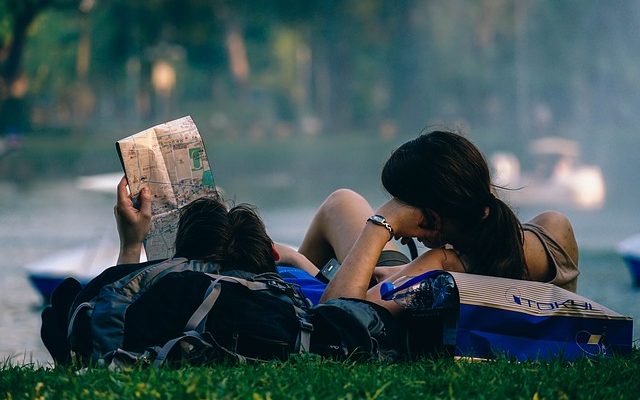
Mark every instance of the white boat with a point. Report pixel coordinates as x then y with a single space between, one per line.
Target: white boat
629 249
83 262
103 183
558 178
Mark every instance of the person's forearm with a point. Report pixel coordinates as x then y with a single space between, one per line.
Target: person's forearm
352 280
129 254
290 256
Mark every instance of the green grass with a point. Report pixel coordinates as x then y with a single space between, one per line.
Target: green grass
308 377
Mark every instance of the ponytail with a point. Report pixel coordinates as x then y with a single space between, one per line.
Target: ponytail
498 246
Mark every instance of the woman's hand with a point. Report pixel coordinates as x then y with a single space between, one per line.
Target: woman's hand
406 221
410 222
133 224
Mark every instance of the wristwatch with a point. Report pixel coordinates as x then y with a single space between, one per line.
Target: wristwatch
380 220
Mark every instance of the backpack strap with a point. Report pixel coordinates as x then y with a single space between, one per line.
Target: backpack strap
76 312
200 347
164 351
199 317
300 305
211 295
304 339
252 285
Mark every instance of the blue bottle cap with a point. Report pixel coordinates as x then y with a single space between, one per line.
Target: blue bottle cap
386 290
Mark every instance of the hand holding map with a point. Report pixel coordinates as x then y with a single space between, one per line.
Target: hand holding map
170 159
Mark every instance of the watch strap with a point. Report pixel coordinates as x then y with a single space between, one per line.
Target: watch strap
381 221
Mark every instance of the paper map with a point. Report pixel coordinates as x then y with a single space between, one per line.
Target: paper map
171 160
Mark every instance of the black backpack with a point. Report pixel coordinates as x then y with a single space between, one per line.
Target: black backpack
183 311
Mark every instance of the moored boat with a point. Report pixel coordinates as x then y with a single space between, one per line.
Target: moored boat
629 249
557 178
82 263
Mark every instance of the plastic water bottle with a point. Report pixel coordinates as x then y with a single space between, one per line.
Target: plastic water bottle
416 296
431 290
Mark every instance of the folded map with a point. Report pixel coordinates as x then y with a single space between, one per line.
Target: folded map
171 160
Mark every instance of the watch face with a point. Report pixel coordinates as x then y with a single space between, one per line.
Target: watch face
380 220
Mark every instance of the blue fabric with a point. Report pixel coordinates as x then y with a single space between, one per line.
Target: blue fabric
311 287
486 332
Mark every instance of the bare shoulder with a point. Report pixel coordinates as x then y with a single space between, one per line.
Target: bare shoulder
559 228
554 222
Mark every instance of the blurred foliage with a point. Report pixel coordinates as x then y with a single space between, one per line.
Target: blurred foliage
280 68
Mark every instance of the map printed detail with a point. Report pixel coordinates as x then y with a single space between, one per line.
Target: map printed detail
171 160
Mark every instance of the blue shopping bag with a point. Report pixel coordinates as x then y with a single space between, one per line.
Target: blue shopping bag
532 320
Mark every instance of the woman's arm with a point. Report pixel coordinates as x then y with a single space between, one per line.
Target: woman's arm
353 277
352 280
291 256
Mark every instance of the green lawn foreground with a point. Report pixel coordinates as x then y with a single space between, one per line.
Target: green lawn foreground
308 377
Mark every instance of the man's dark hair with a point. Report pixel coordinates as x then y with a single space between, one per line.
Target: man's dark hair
235 238
249 247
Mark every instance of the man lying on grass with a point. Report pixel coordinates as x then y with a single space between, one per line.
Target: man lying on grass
232 240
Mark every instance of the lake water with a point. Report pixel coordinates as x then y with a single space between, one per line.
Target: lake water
41 218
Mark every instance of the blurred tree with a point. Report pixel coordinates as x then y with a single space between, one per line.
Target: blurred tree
16 17
284 66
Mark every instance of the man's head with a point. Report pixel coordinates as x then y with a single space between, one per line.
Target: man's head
234 238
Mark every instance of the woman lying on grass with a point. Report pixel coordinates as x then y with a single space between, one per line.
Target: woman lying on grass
442 195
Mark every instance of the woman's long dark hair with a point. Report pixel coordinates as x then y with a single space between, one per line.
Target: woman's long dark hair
234 238
444 172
